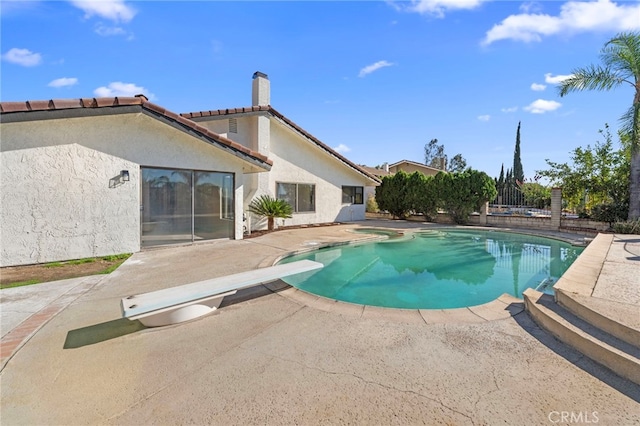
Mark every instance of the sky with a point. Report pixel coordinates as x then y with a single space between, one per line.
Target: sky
375 80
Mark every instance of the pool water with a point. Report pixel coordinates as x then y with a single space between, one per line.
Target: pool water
436 269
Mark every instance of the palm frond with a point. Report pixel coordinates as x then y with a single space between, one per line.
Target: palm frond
267 206
592 77
622 53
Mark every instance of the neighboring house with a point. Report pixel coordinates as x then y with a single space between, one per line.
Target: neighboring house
320 184
412 166
390 169
378 172
99 176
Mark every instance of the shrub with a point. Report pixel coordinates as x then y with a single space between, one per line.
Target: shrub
627 227
424 195
271 208
610 212
372 206
462 193
392 195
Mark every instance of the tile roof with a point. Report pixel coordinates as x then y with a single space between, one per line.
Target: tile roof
270 110
143 102
376 172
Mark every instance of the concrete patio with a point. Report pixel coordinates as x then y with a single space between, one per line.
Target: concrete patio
273 355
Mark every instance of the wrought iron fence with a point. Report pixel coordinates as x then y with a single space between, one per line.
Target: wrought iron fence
512 201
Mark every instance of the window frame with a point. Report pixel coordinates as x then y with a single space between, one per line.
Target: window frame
353 195
296 203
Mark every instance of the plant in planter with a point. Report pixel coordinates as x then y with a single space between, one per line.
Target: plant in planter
271 208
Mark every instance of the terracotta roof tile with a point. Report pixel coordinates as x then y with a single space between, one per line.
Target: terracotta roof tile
88 102
66 103
13 107
38 105
63 104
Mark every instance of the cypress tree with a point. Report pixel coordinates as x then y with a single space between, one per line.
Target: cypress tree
501 179
518 172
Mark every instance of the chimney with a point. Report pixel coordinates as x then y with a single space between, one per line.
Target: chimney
260 90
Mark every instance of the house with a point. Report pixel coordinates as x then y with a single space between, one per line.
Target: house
320 184
411 166
99 176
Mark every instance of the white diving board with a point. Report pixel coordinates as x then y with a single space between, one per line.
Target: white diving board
189 301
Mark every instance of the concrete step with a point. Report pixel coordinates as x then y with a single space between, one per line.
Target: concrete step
618 319
602 347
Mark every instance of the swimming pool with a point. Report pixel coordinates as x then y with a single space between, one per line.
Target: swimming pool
436 269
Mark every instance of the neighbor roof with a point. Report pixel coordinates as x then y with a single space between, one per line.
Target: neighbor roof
66 108
375 171
270 110
415 164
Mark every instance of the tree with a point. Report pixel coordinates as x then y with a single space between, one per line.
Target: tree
424 195
457 164
500 185
434 155
462 193
271 208
392 194
620 59
598 175
518 172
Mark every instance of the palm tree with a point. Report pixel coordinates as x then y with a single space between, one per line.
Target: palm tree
620 58
271 208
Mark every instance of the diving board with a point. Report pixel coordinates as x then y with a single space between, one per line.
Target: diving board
177 304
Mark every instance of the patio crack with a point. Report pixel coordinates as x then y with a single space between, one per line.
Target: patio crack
485 395
372 382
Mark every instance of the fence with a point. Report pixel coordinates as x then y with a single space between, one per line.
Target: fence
511 201
554 221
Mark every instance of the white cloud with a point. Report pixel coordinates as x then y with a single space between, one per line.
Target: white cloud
538 87
23 57
529 7
114 10
510 109
575 16
485 117
541 106
118 88
107 31
342 148
63 82
374 67
438 8
556 79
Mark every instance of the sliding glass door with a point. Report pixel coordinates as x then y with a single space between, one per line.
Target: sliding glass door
181 206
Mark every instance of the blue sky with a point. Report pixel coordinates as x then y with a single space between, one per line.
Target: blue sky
376 80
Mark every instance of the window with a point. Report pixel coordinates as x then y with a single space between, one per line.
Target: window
352 195
181 206
301 196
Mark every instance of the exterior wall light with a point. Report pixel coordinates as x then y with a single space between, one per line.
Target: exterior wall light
125 175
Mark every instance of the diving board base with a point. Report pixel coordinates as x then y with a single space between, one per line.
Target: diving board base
181 313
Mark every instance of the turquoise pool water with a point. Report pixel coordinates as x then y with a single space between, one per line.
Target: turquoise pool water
436 269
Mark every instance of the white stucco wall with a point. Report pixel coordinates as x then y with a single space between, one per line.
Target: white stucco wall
295 160
56 201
